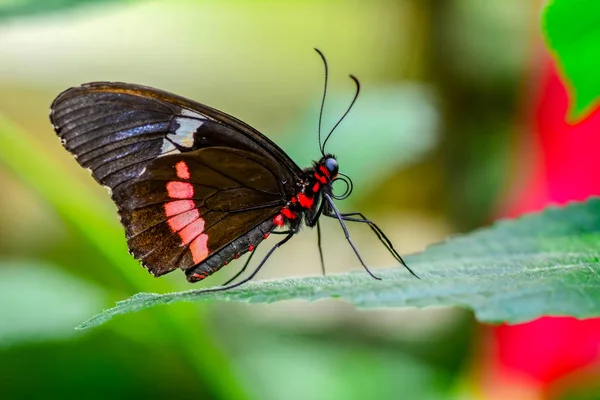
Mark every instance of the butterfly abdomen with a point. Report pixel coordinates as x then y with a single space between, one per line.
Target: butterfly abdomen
232 251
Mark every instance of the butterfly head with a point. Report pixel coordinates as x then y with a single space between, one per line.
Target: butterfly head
331 165
326 172
327 167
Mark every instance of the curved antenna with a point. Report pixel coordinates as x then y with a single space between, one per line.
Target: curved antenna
346 113
321 147
349 186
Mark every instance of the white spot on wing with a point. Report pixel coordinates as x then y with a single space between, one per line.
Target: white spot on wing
184 135
167 147
193 114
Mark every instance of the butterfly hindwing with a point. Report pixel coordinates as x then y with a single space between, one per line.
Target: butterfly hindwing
186 207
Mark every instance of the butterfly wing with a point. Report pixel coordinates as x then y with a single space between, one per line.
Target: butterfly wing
116 129
193 185
186 207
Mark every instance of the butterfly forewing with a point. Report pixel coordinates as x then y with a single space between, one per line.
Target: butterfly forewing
116 129
188 180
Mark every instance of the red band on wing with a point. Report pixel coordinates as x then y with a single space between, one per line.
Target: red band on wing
199 248
180 221
192 231
182 170
178 206
180 190
185 217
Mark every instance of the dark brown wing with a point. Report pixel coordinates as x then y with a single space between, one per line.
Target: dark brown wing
116 129
133 137
186 207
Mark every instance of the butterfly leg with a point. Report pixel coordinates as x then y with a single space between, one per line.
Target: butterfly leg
333 212
380 235
241 271
320 248
312 219
263 261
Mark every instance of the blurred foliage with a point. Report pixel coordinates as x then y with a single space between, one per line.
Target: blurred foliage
432 152
578 388
97 226
340 371
572 32
19 8
393 126
98 366
474 61
44 302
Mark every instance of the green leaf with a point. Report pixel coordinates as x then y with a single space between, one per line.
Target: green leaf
540 264
572 33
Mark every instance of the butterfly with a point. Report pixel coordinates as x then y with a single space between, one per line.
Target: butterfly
195 187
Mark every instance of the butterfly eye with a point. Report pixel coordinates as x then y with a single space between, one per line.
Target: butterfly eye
332 166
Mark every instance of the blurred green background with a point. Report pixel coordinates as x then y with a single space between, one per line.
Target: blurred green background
428 146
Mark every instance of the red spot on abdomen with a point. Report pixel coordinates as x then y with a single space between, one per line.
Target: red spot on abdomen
180 190
182 170
198 277
289 214
316 187
178 207
250 248
278 220
305 201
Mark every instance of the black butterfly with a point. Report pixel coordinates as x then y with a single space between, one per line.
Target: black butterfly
195 187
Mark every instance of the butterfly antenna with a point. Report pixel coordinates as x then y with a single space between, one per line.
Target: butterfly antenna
346 113
322 147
